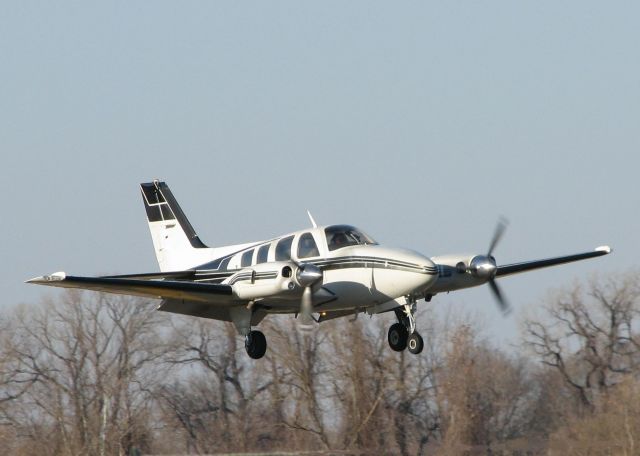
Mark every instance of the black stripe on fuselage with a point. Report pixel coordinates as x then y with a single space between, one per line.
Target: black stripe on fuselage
375 262
220 264
324 264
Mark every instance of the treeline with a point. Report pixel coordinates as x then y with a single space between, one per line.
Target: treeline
97 374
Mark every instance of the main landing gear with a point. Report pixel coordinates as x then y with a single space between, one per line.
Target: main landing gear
256 344
254 341
403 334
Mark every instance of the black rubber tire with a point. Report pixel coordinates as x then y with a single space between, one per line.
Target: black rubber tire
256 344
397 337
415 344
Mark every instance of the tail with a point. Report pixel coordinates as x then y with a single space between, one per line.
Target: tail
176 243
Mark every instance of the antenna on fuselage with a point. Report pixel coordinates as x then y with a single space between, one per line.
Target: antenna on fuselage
313 222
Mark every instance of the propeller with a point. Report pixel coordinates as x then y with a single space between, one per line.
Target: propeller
485 267
307 275
497 235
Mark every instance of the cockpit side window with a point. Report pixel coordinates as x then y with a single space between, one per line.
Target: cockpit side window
283 249
339 236
263 254
307 247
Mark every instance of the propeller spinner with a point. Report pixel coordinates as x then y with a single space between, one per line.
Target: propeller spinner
484 267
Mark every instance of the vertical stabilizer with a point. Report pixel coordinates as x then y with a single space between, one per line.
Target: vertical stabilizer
176 243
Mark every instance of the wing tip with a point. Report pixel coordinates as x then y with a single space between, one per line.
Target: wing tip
55 277
604 248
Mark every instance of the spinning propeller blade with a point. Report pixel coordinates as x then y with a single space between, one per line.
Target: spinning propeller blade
497 235
503 304
306 309
308 275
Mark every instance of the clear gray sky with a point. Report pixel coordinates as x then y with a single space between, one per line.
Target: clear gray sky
419 122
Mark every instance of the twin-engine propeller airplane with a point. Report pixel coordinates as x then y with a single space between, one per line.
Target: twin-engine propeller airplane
328 271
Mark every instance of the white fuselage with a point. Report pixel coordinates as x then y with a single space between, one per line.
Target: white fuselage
358 276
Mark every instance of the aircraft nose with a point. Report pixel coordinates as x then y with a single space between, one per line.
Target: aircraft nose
429 268
426 276
403 272
412 260
419 259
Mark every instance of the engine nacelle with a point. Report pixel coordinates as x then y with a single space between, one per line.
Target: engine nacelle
274 279
461 271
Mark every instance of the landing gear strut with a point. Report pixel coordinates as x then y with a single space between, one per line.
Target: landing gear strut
256 344
403 334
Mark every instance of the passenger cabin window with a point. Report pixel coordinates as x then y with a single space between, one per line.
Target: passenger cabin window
339 236
307 247
225 264
246 258
283 249
263 254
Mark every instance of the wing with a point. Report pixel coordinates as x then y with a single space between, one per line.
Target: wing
516 268
215 294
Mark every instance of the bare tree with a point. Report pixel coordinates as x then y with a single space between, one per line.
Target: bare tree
485 397
229 414
192 414
614 429
383 396
96 374
305 382
359 384
89 361
589 336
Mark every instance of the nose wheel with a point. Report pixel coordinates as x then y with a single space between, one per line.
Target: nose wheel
415 344
403 334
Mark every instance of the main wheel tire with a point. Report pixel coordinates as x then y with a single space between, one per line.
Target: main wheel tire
397 337
415 344
256 344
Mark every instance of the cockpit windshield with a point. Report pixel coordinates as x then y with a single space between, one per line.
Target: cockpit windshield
339 236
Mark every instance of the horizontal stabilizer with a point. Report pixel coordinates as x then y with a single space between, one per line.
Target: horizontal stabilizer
168 289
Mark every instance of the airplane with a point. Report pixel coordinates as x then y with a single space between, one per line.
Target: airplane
317 274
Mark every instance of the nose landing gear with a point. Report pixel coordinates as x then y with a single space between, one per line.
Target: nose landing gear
403 334
415 344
